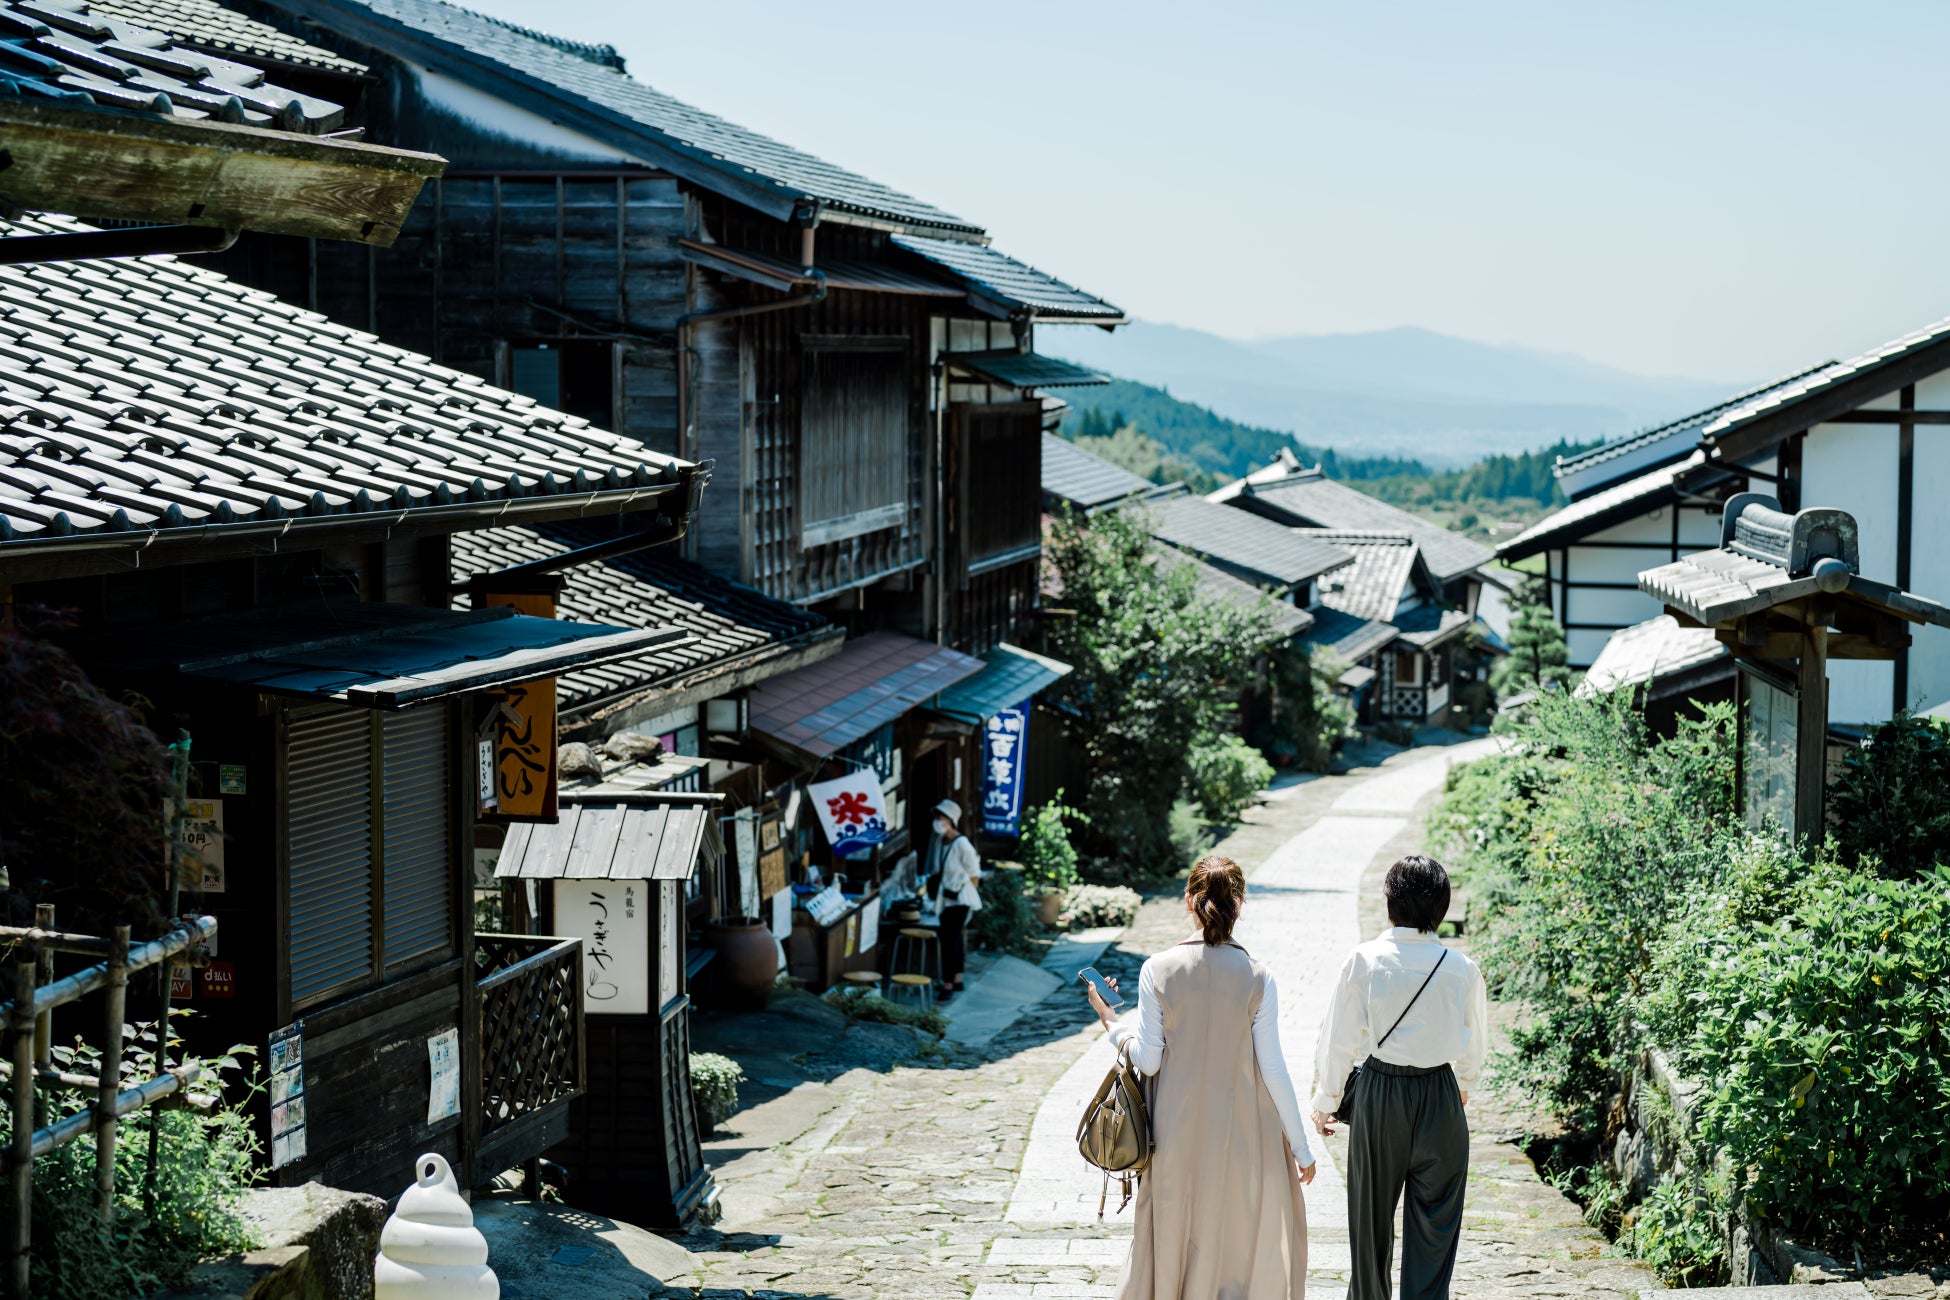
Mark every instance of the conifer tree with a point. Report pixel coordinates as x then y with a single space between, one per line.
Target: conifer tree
1538 655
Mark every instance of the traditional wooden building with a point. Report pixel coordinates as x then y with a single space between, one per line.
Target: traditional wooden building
1389 585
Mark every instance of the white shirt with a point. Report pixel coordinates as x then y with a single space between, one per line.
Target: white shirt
1448 1025
1148 1053
959 867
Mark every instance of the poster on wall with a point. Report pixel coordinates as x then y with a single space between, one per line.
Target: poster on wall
286 1057
1004 740
851 810
612 918
203 845
443 1095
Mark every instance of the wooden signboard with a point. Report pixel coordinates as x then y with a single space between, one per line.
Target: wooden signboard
771 851
522 732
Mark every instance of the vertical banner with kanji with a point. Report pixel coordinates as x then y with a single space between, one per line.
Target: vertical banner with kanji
1004 737
522 731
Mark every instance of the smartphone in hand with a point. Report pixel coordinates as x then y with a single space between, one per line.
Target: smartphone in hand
1090 976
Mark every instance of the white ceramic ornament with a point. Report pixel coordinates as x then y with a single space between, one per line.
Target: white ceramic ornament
430 1248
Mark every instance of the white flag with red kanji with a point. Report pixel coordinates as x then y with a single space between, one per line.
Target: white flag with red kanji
851 809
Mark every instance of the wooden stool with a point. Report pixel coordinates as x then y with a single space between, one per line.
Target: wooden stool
915 950
862 979
920 986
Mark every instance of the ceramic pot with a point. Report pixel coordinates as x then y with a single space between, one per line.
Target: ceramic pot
747 964
1049 907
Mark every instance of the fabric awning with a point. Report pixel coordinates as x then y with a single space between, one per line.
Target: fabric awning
785 273
371 654
1023 369
640 835
1009 676
872 681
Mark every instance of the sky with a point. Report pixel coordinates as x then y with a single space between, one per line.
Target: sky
1723 191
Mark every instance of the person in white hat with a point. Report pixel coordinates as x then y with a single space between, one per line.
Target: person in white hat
958 893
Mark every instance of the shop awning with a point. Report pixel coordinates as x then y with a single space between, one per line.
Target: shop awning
371 654
1009 676
1024 369
785 274
615 835
1355 678
872 681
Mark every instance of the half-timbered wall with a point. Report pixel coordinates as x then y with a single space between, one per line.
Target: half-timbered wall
1602 594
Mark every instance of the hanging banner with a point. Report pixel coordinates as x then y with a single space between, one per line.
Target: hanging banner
851 810
1004 740
612 918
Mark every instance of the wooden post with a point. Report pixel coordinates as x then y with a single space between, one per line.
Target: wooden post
44 1022
110 1078
20 1159
1811 735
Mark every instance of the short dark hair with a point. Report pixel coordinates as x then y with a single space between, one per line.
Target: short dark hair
1418 893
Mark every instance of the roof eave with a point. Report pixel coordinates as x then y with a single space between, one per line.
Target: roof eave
1536 543
1766 428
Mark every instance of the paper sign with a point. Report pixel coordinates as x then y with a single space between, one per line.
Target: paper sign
443 1097
850 811
1004 738
870 925
230 778
181 983
782 915
745 837
612 919
287 1061
203 845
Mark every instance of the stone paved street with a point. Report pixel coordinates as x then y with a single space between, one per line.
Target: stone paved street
956 1175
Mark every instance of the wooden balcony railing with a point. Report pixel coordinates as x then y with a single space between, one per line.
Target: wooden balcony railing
531 1066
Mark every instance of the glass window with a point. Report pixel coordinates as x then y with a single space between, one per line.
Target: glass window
1769 757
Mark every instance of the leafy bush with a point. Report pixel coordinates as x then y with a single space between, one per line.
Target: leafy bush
714 1089
1307 719
1190 837
1049 860
1677 1230
1815 1003
1087 906
858 1004
1890 807
1226 775
1006 920
204 1167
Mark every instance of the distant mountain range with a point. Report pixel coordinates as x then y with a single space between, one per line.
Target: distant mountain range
1401 392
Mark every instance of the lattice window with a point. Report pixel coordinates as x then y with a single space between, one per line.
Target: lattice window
852 445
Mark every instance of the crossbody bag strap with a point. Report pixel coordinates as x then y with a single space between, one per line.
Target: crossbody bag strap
1412 1001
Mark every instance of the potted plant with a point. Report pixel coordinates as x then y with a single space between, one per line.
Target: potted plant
1049 860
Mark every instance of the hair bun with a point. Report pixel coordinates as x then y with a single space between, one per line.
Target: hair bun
1216 891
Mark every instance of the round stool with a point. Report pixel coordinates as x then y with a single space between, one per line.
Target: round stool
919 987
916 949
862 979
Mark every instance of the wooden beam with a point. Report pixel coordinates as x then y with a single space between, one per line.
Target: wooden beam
101 164
1824 404
1905 523
1906 415
1811 735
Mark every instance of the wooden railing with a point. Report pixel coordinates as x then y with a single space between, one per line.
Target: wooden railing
1408 702
531 1066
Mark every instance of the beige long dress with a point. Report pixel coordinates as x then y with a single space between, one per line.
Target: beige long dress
1220 1215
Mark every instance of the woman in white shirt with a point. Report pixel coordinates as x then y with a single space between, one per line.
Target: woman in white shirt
1220 1212
1414 1015
958 896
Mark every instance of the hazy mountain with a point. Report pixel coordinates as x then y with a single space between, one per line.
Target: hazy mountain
1408 392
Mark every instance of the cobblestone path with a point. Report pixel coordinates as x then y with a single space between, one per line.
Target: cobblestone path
956 1176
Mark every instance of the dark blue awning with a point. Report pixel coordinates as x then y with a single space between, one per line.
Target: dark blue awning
1009 676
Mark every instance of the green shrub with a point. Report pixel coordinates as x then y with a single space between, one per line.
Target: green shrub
714 1089
204 1167
1049 860
1677 1229
1006 920
858 1004
1815 1004
1306 719
1226 776
1890 806
1190 838
1087 906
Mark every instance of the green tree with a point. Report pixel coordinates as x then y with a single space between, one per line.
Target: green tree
1538 656
1157 670
1307 718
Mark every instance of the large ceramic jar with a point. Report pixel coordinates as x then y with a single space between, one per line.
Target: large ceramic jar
747 962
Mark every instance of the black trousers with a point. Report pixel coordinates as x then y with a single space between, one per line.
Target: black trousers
954 943
1407 1133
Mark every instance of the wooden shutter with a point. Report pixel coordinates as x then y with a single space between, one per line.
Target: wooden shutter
418 832
329 815
852 445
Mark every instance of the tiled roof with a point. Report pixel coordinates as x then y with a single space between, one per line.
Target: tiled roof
692 143
1426 625
1714 587
1375 585
1618 502
1242 544
651 836
1288 620
1346 636
1009 676
732 627
1073 476
152 394
1311 499
208 25
65 51
868 684
1658 647
1010 284
1819 381
1600 467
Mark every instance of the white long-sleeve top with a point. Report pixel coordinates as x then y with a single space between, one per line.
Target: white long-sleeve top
1448 1025
1148 1054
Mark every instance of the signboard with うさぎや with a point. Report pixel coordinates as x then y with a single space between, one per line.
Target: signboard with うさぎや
612 918
851 811
1004 740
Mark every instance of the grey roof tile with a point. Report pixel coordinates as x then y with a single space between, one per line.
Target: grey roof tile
77 447
1621 501
1380 578
1010 283
1646 651
1346 636
1242 544
1074 477
1288 620
1815 381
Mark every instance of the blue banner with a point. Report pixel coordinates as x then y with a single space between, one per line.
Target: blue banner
1004 740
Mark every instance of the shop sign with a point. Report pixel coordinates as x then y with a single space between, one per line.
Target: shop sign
851 810
1005 740
523 737
202 869
181 983
612 918
219 980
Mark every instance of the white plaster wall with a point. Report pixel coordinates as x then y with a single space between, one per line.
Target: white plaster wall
1612 606
1584 645
1853 467
1929 555
1607 564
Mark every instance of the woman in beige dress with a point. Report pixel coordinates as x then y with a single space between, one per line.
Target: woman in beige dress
1219 1214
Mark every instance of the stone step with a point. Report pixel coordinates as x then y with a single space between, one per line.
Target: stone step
1826 1291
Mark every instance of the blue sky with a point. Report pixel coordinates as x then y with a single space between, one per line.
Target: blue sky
1724 191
